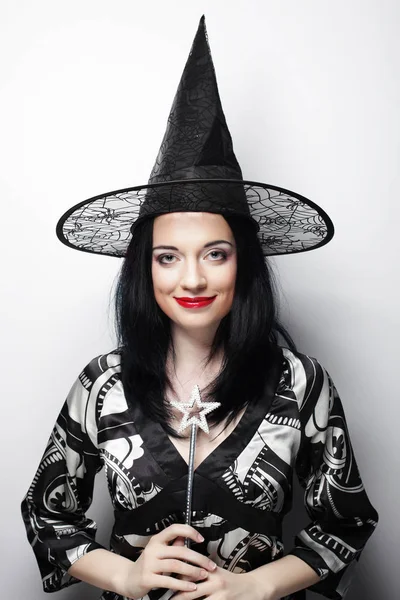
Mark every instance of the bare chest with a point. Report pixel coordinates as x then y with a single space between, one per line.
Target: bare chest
205 444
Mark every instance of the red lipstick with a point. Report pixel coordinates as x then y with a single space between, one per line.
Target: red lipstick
196 302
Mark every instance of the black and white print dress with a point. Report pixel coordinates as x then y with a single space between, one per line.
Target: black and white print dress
242 490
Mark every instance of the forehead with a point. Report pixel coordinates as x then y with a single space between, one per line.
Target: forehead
195 226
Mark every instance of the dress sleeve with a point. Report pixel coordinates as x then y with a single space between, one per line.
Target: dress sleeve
54 509
342 517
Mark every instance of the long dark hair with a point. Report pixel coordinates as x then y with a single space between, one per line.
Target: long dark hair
248 335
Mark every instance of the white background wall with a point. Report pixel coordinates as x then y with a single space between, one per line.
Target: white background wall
311 94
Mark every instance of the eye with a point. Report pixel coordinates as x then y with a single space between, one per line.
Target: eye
216 255
166 259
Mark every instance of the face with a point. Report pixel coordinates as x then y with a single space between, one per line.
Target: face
193 268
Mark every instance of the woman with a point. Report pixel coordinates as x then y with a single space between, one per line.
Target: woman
195 306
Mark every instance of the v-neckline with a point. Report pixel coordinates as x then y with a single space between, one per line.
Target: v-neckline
212 434
168 457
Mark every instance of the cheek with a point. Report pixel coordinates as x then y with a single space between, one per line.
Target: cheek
225 279
164 280
224 282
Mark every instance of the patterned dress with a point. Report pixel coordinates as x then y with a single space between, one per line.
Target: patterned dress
242 490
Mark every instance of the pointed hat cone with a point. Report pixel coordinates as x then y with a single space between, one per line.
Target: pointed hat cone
197 142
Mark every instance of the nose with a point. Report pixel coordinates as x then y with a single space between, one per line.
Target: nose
193 277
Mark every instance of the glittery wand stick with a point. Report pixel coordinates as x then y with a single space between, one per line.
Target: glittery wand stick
195 419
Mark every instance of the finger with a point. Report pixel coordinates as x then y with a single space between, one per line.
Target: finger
180 585
204 590
179 541
178 530
173 565
188 555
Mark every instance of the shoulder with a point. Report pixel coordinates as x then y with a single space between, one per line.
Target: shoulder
101 376
101 367
104 369
96 382
303 378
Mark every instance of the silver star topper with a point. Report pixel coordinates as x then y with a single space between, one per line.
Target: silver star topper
197 418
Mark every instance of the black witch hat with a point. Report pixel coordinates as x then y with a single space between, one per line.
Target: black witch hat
196 171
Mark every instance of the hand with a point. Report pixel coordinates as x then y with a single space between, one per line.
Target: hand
160 559
225 585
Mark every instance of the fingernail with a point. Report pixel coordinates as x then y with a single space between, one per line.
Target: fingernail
213 566
203 574
192 586
200 537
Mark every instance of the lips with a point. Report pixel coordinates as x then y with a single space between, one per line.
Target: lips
196 302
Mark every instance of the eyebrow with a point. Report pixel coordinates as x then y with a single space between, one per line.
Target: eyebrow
205 245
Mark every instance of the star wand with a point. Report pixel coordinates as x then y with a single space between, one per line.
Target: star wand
193 418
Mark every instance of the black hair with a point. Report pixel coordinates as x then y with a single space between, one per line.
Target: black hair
248 335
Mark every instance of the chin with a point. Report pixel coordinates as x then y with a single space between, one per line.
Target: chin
195 322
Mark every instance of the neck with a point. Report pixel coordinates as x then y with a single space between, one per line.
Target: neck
191 347
189 364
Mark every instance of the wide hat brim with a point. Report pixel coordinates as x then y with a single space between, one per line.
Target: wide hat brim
287 222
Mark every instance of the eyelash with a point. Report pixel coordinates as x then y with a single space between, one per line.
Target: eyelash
221 252
159 259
